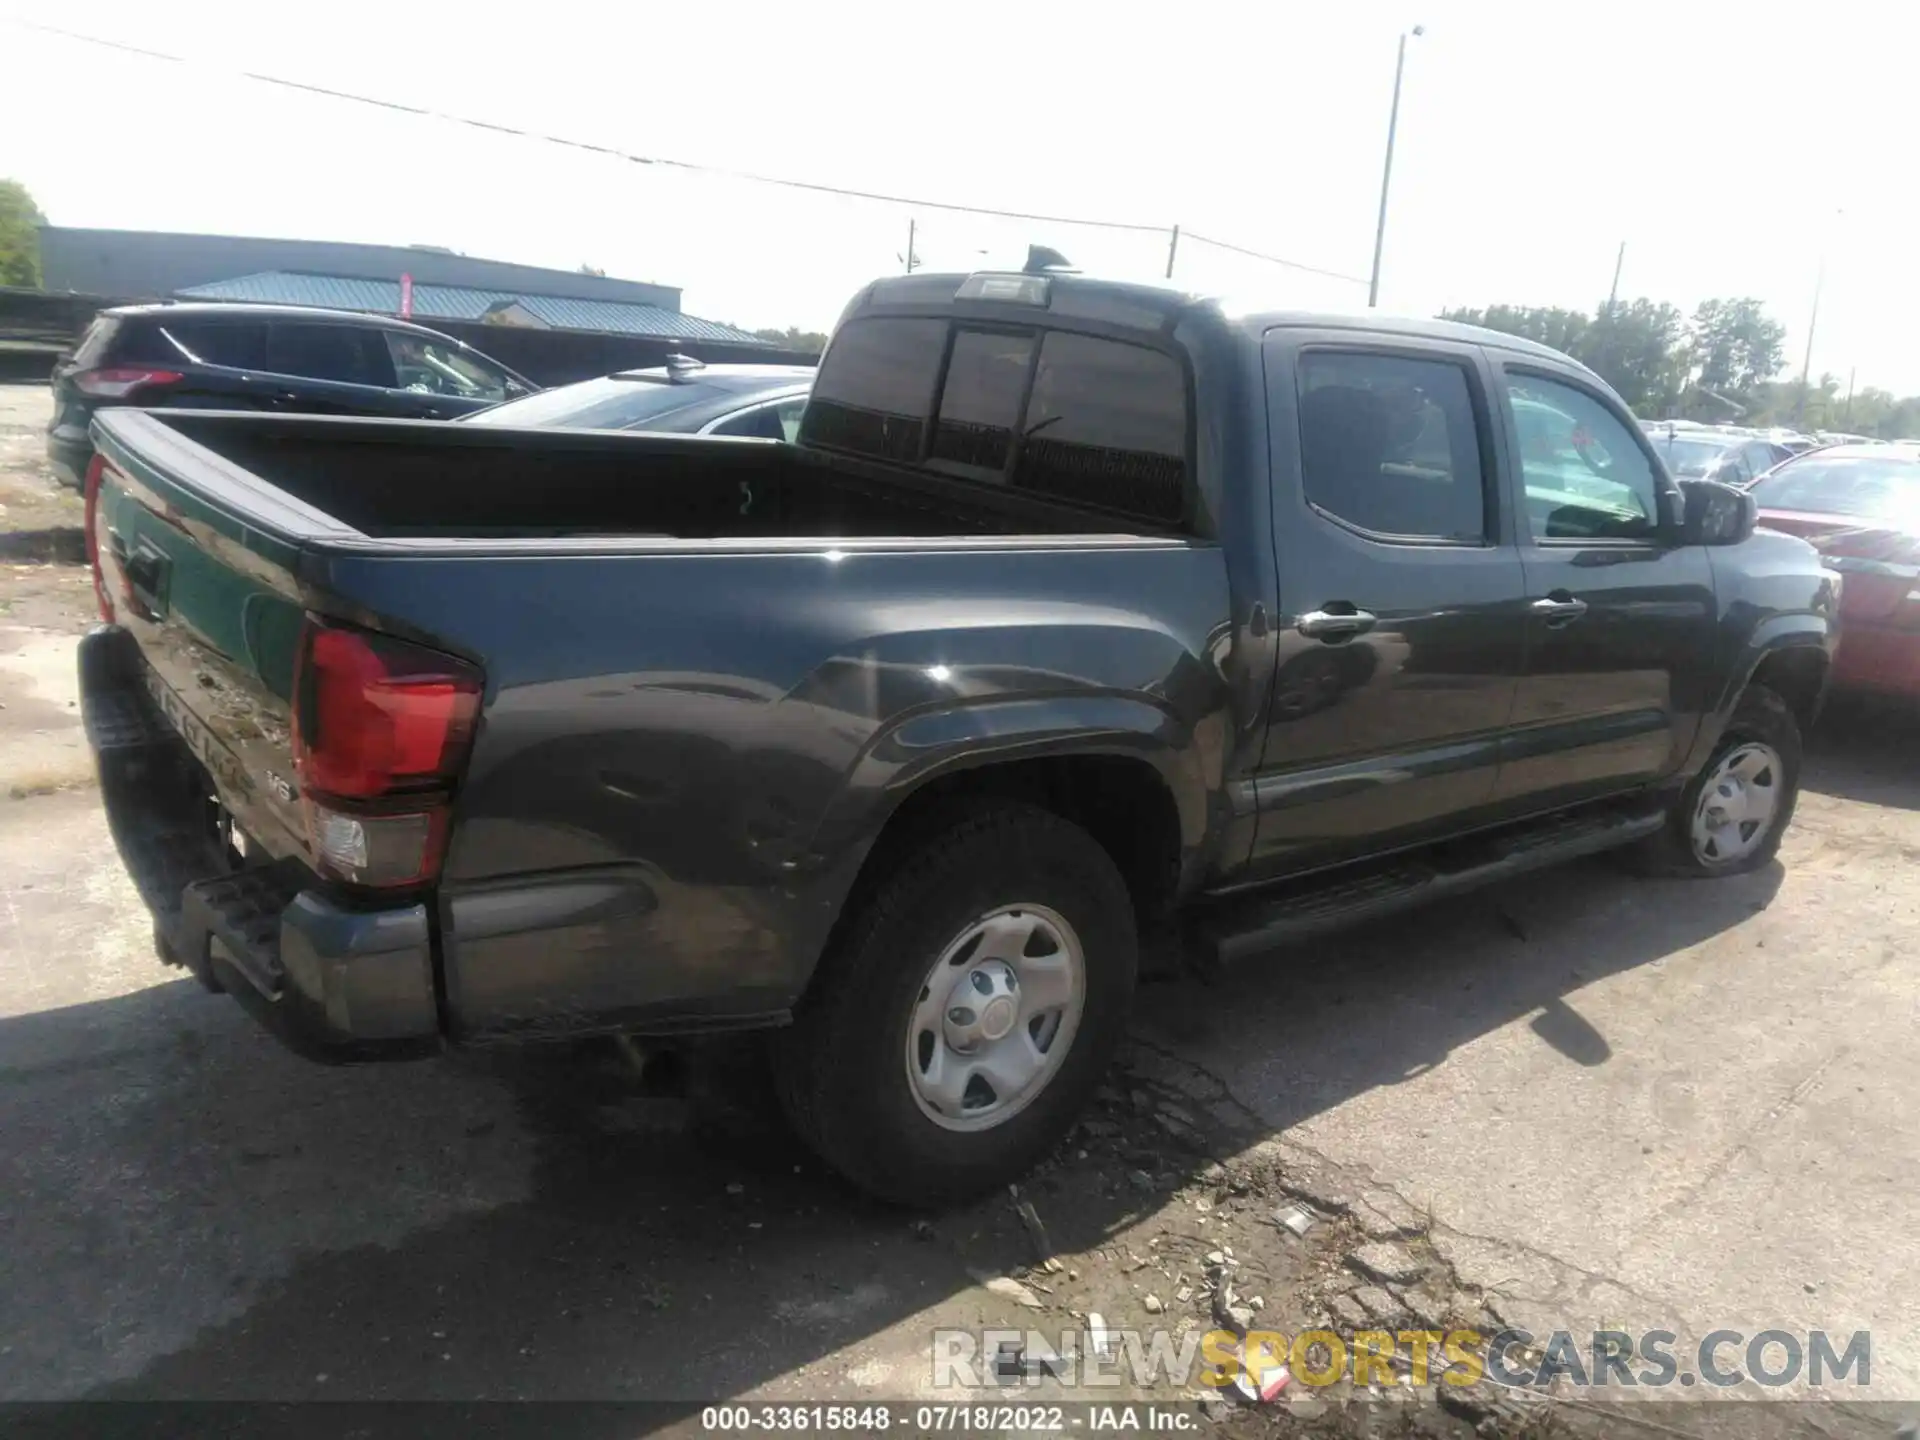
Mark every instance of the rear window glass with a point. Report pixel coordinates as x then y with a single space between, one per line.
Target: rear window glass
240 344
93 345
1106 425
347 354
613 402
875 390
980 402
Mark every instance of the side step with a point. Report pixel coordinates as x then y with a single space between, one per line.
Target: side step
1244 925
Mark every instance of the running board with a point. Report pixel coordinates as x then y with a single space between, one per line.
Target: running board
1266 919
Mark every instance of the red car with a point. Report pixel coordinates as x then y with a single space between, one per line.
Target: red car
1860 506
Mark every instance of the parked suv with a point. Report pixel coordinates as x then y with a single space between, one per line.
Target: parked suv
264 357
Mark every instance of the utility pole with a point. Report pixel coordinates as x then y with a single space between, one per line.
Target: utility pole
1386 170
1173 249
912 259
1806 365
1852 371
1613 295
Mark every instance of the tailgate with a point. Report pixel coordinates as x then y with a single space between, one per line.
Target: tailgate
213 605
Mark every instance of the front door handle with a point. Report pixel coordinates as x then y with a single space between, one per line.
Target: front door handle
1341 624
1559 608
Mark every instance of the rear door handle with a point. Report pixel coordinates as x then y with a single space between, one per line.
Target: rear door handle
1559 608
1341 624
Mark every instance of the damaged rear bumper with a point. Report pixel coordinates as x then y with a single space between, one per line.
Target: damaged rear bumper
334 981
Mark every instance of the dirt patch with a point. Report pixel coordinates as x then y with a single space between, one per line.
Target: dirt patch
32 502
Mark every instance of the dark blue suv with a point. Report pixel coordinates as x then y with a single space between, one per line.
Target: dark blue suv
264 357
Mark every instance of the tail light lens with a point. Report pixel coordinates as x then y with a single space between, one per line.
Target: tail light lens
96 468
381 732
117 382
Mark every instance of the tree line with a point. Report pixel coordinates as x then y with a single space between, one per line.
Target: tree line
1718 364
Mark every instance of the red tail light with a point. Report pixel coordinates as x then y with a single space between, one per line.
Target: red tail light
95 468
116 382
381 732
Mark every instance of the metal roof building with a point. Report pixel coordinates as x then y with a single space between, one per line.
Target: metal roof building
454 302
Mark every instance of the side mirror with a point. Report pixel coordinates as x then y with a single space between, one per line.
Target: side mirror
1716 513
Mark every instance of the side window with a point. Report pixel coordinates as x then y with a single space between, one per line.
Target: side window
762 422
202 340
980 402
1106 425
874 392
435 369
790 412
1586 476
1389 445
348 354
1733 468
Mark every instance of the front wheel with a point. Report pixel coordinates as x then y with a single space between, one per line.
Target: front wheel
1733 815
965 1014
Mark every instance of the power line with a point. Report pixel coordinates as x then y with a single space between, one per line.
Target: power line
725 172
1271 259
615 152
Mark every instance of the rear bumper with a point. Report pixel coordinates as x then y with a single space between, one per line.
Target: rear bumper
1877 658
69 452
335 982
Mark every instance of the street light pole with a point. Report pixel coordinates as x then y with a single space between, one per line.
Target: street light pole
1386 171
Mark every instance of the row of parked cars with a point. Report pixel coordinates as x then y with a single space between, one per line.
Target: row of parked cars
332 362
1858 500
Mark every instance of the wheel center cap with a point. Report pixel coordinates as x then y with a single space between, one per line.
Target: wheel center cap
998 1017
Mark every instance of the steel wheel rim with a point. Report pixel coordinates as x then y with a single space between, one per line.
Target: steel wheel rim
1738 804
992 1024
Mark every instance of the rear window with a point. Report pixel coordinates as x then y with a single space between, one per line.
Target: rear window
1090 421
613 402
1106 425
203 340
875 391
93 345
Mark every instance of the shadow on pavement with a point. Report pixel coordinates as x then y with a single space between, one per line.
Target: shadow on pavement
197 1215
1866 749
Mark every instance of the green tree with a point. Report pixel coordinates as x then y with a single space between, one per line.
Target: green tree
1733 345
20 221
792 338
1634 345
1560 329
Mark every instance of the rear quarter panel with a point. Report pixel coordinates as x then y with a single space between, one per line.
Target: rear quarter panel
685 756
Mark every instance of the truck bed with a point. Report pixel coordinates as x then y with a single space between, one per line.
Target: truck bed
400 480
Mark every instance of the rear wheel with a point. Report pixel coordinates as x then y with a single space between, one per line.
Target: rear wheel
968 1009
1732 816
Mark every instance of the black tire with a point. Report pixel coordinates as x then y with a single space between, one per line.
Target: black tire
840 1069
1761 715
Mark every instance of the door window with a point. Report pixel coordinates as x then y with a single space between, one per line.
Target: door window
1389 446
432 367
346 354
1586 475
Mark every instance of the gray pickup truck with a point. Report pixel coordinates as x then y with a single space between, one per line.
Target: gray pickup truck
1079 611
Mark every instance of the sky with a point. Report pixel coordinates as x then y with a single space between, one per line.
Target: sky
1733 149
